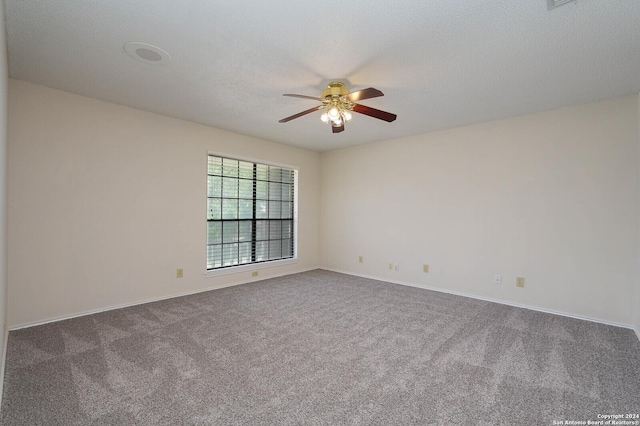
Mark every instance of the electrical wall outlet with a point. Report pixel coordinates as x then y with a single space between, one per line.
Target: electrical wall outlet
391 266
396 267
519 281
179 273
360 259
497 280
425 268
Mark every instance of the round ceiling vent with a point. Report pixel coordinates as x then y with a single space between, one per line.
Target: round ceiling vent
148 53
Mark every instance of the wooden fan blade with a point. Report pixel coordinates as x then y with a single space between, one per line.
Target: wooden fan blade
375 113
300 114
337 129
315 98
364 94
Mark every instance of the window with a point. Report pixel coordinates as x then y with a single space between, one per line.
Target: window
250 212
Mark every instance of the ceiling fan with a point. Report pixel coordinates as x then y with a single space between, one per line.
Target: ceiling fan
338 103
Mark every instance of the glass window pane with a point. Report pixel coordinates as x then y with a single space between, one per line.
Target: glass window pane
230 188
229 209
275 230
244 253
229 167
229 232
262 172
275 250
245 169
244 230
274 209
262 230
287 227
275 191
245 189
287 176
214 208
287 194
245 209
262 190
214 232
275 174
215 165
214 257
229 254
214 186
261 210
286 211
262 251
287 248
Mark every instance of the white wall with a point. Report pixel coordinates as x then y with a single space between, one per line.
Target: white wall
552 197
3 193
105 202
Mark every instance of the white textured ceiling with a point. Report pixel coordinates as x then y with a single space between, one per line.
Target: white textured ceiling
440 64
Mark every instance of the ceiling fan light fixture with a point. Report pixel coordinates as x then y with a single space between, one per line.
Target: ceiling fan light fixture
336 111
337 104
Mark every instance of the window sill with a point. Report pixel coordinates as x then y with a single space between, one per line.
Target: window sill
251 267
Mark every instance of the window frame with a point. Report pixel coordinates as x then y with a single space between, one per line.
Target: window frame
262 264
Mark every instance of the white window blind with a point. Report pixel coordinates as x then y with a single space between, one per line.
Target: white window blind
250 212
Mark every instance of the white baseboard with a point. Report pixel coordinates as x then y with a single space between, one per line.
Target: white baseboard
487 299
156 299
425 287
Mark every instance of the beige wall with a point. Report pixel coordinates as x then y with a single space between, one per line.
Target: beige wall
105 202
552 197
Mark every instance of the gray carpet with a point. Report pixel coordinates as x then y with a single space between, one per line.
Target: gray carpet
319 348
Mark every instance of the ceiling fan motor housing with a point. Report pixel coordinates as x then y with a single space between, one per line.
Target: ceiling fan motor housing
335 88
